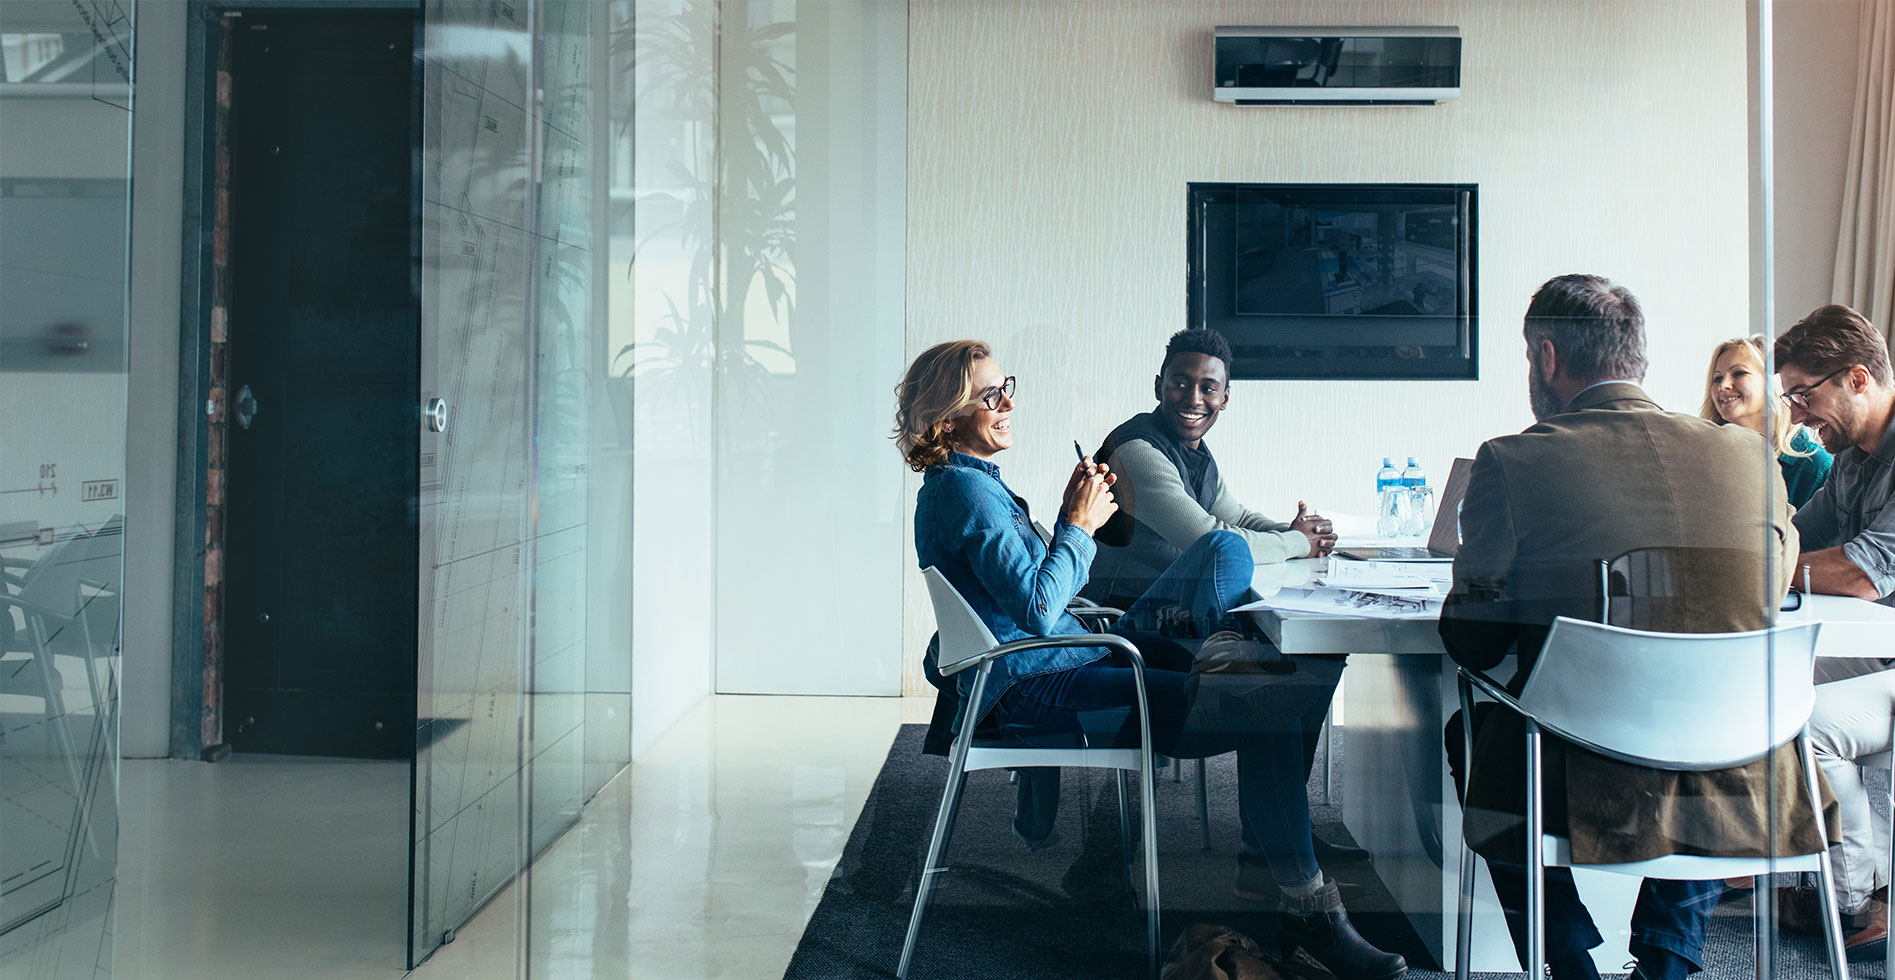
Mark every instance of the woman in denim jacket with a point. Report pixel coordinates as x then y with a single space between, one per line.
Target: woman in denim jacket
954 415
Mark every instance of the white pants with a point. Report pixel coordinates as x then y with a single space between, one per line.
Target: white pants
1855 708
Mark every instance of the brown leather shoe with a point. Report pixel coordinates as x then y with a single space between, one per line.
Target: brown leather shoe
1870 941
1800 910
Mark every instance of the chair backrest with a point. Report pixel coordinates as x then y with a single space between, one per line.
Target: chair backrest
1674 700
104 566
963 635
1686 590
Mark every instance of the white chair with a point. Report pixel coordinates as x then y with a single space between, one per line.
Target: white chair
1673 701
967 643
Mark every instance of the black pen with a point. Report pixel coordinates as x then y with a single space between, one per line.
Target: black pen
1081 453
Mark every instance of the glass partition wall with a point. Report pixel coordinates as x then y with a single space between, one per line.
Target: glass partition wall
525 657
65 190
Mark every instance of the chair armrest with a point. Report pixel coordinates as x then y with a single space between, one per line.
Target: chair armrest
1110 640
1494 690
1096 617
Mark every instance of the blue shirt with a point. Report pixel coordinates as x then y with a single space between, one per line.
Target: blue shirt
1804 475
979 534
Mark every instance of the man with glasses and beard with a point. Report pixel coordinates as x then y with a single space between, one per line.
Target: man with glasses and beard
1834 366
1603 472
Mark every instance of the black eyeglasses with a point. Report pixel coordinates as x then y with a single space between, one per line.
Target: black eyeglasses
992 396
1800 397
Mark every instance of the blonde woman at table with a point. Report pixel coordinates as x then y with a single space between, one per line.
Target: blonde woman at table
954 415
1735 392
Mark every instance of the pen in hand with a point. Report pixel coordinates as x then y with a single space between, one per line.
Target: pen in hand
1079 452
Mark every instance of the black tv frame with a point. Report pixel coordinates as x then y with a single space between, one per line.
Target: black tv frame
1216 308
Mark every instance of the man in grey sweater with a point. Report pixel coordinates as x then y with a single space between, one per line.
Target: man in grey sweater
1168 488
1169 495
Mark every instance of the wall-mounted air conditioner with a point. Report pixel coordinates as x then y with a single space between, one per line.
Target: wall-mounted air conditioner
1336 65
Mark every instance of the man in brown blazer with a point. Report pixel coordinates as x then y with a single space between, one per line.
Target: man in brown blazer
1606 471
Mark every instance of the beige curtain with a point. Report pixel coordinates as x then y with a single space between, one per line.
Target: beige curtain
1865 248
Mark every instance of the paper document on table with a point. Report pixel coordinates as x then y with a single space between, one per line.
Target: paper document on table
1354 603
1374 575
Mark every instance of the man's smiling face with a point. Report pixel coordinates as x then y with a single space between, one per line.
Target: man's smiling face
1192 389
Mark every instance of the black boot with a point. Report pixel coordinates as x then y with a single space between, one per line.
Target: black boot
1318 926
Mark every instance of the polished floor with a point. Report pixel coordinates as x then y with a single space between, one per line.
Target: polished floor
703 860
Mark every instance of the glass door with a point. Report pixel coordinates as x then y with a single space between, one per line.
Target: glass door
476 255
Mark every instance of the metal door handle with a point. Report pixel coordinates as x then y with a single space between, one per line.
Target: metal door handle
246 406
437 415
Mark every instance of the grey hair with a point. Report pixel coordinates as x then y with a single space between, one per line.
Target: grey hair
1595 325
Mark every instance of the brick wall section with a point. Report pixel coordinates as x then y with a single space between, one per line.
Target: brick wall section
212 723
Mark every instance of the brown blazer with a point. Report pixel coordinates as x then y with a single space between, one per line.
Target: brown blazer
1611 474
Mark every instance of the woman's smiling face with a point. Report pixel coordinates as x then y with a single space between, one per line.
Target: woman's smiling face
981 431
1738 388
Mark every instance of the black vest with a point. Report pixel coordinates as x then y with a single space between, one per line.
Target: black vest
1131 555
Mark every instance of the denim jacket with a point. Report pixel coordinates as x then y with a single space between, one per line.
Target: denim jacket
972 528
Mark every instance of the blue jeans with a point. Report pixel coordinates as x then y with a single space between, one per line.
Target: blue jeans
1266 724
1204 584
1668 921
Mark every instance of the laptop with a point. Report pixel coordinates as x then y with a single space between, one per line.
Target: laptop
1446 538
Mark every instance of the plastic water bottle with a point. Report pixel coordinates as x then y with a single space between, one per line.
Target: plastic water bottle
1386 478
1412 476
1387 486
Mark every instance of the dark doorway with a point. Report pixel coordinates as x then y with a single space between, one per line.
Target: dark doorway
320 536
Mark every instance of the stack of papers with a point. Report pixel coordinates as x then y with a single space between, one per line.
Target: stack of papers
1354 603
1382 576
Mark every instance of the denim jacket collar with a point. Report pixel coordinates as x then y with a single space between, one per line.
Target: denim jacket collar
973 463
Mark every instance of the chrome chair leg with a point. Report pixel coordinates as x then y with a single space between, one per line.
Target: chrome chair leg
1536 857
1832 924
1825 881
1464 916
1148 819
937 849
1763 917
1329 756
1204 804
1125 815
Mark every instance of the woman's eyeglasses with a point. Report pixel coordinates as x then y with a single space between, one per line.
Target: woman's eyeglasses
992 396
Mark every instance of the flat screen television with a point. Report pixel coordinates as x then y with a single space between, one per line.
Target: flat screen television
1343 281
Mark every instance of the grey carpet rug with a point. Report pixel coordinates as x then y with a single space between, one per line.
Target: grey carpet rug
1003 912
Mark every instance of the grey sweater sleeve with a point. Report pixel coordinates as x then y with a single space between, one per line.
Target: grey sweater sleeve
1150 489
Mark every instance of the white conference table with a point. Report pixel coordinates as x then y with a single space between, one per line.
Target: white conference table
1398 798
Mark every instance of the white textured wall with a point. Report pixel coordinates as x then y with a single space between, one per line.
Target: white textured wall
808 515
1049 147
674 471
1814 101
